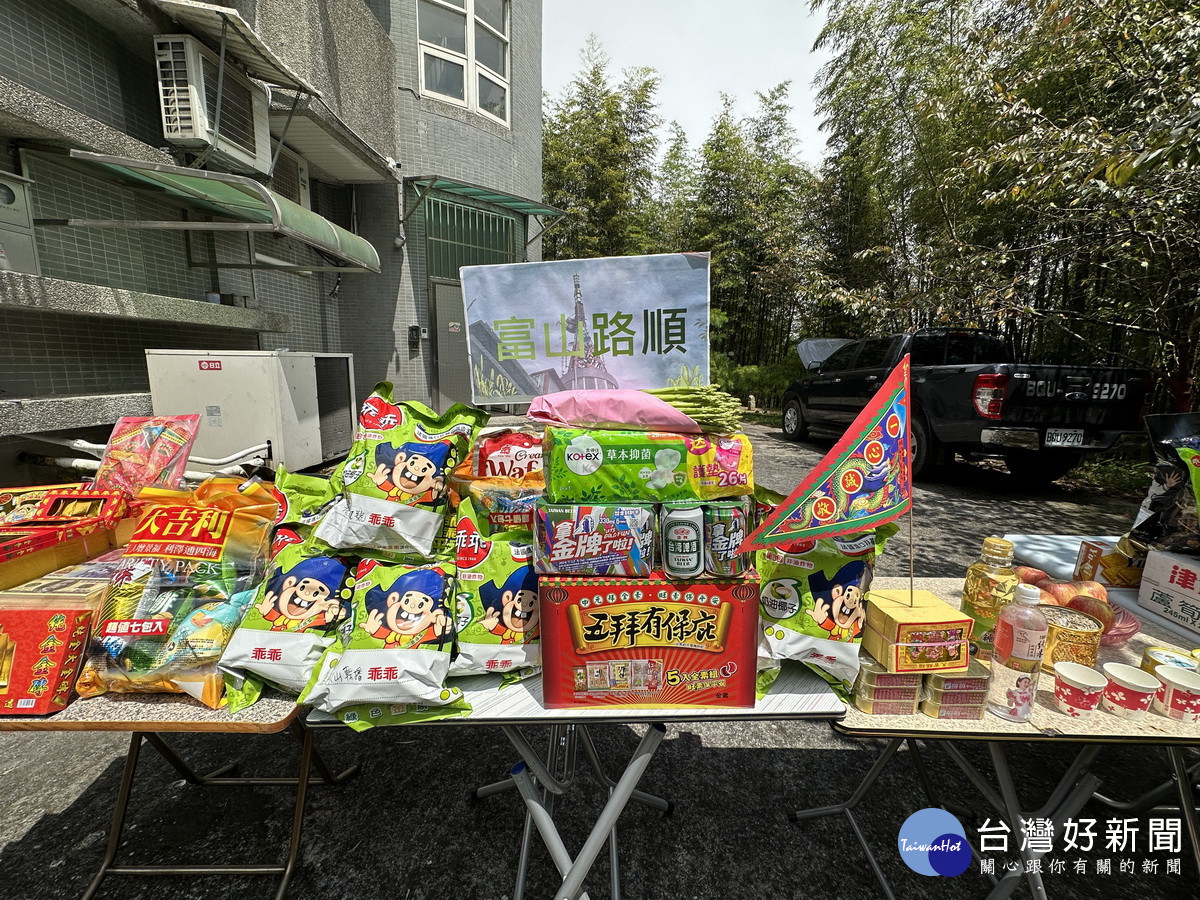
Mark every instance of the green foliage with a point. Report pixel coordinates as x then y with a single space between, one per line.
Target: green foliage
766 382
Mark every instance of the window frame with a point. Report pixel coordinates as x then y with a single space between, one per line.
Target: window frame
473 69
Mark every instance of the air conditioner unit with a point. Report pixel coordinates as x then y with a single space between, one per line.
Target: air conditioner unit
303 403
187 91
291 178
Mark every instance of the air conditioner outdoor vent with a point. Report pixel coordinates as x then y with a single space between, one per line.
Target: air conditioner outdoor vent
290 178
188 73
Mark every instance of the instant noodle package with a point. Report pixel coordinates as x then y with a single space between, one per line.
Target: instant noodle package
191 569
595 540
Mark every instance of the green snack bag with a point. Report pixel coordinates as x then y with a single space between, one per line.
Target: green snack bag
293 618
362 716
584 466
394 480
812 600
302 499
497 618
398 651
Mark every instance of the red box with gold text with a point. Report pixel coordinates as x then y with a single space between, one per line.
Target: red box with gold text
40 653
648 642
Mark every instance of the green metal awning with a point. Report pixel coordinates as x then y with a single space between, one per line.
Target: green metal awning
478 192
244 204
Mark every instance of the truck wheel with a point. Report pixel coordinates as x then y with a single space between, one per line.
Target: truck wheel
795 426
925 448
1040 468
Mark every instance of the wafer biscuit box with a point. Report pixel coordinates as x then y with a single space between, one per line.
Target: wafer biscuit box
40 654
916 631
648 642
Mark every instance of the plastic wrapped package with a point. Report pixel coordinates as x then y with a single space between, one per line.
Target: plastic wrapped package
398 651
503 477
497 616
189 572
147 451
395 480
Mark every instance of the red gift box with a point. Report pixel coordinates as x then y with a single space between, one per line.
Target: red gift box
648 642
40 654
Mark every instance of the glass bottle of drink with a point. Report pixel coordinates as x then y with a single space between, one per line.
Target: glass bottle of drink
1020 642
990 584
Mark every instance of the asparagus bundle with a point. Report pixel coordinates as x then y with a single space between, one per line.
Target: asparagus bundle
714 410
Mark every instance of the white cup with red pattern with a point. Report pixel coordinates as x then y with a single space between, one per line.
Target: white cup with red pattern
1129 690
1077 688
1179 696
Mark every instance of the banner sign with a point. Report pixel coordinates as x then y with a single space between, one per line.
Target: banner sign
863 482
582 324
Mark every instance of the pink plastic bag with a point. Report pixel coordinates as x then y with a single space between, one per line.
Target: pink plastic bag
622 408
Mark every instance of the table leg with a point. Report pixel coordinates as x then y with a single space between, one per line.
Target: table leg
1187 799
1154 798
1008 792
847 807
118 819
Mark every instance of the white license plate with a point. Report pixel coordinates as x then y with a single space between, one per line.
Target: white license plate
1064 437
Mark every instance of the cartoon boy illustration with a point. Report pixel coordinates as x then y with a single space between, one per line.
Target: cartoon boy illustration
838 605
411 612
512 608
411 473
304 596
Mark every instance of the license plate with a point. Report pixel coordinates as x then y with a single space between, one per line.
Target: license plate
1064 437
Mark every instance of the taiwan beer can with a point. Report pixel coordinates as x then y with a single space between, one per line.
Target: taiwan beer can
725 527
682 530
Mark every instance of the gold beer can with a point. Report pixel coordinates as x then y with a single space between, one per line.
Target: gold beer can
1071 636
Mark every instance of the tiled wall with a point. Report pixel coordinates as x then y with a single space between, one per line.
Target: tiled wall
48 45
47 356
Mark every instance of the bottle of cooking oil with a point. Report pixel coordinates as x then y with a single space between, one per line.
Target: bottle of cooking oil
991 582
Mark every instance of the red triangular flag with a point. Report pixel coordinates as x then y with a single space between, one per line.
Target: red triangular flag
864 481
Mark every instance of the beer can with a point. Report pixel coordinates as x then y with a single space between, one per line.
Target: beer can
725 527
682 530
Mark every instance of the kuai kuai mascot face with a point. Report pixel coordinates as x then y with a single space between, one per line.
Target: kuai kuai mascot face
412 604
306 587
513 604
840 598
414 468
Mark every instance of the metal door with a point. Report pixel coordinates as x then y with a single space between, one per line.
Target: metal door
451 361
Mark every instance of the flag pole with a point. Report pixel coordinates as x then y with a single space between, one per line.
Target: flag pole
911 557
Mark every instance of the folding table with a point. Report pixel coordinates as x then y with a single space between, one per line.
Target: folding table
1075 788
796 694
148 717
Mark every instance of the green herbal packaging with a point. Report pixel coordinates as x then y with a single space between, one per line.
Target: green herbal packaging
593 466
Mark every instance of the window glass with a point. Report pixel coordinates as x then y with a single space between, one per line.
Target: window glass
493 98
927 349
492 12
444 77
874 353
841 359
443 27
490 51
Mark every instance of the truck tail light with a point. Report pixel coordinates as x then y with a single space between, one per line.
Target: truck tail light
989 395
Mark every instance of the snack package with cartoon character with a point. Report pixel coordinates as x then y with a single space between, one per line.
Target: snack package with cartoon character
497 617
293 619
394 481
302 499
398 651
503 477
812 600
1169 517
645 466
595 540
189 572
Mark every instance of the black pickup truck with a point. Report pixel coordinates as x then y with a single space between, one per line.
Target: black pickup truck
969 396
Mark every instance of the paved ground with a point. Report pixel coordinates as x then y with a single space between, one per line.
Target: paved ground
405 829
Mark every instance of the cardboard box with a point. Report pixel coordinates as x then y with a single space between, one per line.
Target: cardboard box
20 503
40 654
648 642
917 633
28 553
1171 588
1102 561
